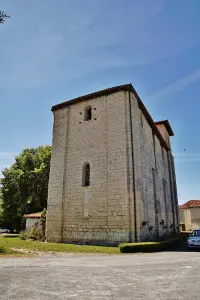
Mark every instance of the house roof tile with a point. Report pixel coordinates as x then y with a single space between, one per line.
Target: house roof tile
190 204
34 215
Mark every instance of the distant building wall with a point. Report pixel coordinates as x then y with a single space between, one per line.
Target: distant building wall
31 222
190 217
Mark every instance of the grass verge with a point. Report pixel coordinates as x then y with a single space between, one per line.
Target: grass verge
9 252
8 243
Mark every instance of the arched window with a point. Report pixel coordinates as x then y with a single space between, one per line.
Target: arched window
88 113
86 174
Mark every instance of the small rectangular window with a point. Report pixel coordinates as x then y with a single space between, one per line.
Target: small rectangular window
88 113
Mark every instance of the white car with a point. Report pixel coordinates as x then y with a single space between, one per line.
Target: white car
4 230
194 239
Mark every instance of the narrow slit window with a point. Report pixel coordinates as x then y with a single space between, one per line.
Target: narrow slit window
86 174
88 113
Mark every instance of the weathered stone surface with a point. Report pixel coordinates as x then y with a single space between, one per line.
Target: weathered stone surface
122 151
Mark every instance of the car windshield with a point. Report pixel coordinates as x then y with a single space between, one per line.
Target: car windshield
196 233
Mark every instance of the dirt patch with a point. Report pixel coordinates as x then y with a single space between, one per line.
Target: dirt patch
53 253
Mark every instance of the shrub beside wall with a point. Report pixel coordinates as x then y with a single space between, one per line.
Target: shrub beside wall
35 233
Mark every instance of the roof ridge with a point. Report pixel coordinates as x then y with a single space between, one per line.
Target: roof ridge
98 93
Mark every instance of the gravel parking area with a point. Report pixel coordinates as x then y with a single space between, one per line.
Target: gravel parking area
166 275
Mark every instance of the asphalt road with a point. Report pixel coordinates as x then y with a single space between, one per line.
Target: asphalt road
166 275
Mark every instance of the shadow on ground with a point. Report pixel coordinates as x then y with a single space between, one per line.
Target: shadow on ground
184 248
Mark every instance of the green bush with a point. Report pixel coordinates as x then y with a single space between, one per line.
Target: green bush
23 235
35 233
149 246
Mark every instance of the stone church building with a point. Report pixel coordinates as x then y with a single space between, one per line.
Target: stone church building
112 176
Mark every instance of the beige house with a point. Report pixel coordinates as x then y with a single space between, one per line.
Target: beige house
112 175
32 219
190 215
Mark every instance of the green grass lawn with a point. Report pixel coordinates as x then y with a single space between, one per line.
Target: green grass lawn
7 243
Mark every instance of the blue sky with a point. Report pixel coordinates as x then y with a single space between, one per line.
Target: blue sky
56 50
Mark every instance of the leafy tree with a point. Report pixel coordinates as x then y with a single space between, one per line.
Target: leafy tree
10 198
3 16
25 185
1 211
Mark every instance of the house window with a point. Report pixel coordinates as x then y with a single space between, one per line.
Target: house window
86 175
88 113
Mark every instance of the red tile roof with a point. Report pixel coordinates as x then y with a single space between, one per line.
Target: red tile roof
34 215
190 204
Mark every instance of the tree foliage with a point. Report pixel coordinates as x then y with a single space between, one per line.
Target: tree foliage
3 16
25 185
1 211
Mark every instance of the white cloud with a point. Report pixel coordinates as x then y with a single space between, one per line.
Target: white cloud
187 160
7 154
186 154
89 36
186 157
177 86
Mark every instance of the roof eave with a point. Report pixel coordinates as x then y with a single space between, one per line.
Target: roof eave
90 96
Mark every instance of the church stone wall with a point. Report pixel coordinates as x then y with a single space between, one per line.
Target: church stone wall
122 177
56 179
154 197
99 212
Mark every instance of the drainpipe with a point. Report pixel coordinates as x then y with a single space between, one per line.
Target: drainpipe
132 154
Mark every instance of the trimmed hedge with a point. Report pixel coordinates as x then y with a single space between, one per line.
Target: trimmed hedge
185 234
149 246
